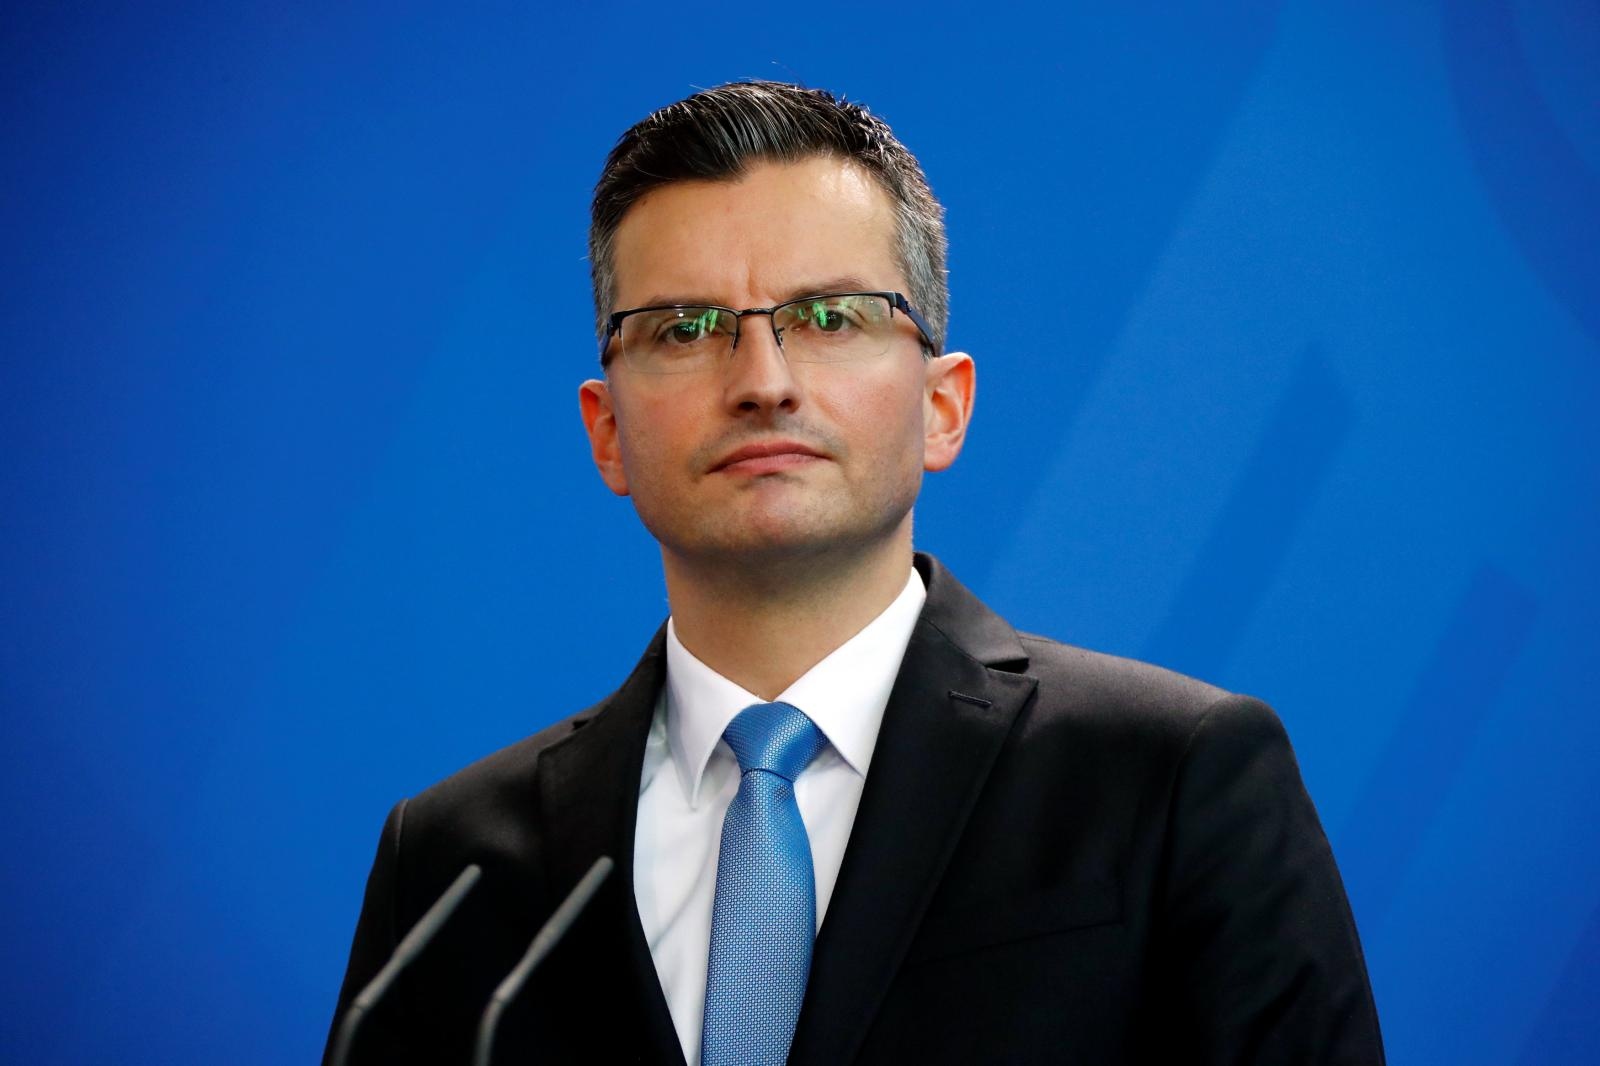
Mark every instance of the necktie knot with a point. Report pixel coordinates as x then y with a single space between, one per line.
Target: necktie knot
776 737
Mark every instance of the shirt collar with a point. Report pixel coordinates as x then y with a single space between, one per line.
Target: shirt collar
845 694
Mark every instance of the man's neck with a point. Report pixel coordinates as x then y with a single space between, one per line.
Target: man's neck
764 626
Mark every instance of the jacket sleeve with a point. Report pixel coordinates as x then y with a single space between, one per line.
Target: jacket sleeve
1261 956
376 936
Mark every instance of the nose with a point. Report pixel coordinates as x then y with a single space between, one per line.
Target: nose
758 378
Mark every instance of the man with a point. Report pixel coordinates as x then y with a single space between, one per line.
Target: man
1008 850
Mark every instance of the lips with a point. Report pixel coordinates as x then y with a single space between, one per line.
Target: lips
768 456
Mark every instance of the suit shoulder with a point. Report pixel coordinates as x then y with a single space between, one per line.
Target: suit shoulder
1114 677
505 779
1129 693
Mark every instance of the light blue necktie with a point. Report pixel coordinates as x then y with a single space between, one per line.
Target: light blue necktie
765 914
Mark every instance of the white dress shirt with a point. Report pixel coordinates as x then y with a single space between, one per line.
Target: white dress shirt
690 776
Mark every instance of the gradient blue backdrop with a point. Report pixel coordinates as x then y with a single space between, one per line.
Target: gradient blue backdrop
1289 340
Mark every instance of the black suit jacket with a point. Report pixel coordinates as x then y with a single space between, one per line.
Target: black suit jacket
1059 856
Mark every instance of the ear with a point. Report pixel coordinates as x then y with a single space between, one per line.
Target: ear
949 389
600 422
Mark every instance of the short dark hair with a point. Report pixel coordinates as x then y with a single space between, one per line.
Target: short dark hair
717 133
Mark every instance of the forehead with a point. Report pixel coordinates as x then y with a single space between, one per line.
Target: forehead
770 235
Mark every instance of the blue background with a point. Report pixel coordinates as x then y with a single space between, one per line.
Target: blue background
1287 326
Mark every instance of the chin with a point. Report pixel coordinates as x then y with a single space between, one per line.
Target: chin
773 529
775 543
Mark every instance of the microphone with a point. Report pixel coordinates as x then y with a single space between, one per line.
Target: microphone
543 943
410 947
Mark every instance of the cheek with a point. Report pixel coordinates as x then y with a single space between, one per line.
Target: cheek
888 418
651 432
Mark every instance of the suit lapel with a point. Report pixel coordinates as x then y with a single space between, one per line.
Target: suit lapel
589 791
958 692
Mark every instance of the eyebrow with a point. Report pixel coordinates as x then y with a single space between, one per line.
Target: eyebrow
842 283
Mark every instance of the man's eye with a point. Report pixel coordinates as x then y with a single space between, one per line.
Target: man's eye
689 329
829 318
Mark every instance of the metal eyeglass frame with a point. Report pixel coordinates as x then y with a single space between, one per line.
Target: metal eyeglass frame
897 302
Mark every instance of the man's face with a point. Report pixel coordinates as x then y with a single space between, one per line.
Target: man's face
758 457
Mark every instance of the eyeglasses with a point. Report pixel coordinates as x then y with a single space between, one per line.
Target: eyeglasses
838 327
